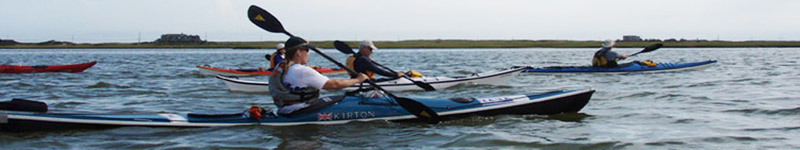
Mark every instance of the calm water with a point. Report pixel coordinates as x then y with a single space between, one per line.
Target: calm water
748 100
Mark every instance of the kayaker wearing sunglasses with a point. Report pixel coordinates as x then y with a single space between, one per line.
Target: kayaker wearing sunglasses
361 62
295 86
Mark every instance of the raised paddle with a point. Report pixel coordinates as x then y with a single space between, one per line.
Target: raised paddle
267 21
344 48
648 49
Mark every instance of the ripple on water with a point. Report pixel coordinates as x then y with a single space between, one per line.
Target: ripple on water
781 129
68 104
665 143
102 84
704 84
192 74
637 95
783 112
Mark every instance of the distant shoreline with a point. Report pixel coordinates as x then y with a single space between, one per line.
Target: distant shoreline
415 44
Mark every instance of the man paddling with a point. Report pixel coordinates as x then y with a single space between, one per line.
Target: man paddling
361 62
295 86
605 57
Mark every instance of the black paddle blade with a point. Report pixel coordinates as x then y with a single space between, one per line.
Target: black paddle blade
23 105
343 47
423 85
422 112
652 47
265 20
648 49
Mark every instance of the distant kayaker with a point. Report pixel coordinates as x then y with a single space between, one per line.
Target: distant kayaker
298 87
605 57
361 62
277 56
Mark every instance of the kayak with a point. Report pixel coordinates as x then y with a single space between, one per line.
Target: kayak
46 68
630 68
337 110
211 71
400 84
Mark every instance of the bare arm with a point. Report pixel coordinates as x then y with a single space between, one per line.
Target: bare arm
335 84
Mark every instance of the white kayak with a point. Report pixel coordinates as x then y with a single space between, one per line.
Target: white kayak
400 84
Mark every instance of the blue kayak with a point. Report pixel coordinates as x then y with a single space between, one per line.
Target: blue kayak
336 110
624 68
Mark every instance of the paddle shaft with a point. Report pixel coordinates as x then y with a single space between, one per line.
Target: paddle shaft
390 70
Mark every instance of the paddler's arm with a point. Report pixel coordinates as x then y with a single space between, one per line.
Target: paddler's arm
335 84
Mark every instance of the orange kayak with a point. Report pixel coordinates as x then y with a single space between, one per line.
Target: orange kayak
207 70
46 68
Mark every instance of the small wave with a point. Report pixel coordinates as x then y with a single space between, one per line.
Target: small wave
704 84
787 112
68 104
569 117
639 94
665 143
23 84
102 84
669 96
726 139
8 79
684 121
463 72
192 74
776 129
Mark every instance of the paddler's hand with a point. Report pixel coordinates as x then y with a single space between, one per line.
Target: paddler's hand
623 56
362 77
400 74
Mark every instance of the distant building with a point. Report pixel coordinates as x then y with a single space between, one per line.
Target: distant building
179 39
631 38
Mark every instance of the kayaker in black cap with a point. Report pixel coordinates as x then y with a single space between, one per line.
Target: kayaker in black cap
361 62
295 86
605 57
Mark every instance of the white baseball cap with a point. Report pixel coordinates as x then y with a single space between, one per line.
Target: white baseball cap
609 43
280 46
367 43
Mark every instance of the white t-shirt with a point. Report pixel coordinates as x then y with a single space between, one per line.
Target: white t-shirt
299 77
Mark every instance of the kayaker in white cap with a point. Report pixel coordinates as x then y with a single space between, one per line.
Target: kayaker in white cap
277 56
605 57
361 62
295 86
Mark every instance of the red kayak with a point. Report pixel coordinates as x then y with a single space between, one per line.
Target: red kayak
46 68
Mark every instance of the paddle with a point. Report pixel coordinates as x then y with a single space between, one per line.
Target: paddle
344 48
267 21
17 104
650 48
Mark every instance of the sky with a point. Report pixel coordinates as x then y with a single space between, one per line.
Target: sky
102 21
